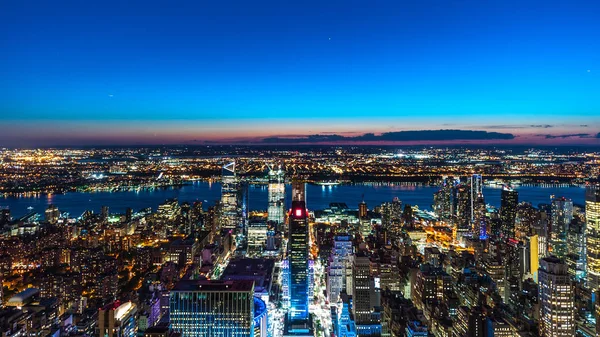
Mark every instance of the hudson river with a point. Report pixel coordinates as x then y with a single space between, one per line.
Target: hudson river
318 197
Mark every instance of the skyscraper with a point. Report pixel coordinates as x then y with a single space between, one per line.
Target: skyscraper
336 273
230 210
476 194
508 211
361 289
362 210
463 210
298 190
442 200
276 190
298 257
556 295
212 308
561 217
592 214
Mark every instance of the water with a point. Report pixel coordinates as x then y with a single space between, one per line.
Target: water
318 197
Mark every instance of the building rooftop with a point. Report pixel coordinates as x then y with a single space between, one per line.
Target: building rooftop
258 270
216 286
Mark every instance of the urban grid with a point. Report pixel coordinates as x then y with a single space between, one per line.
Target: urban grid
459 267
313 168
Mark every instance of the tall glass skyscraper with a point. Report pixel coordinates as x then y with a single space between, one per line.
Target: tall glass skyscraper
230 198
592 233
509 200
561 217
276 208
212 308
298 257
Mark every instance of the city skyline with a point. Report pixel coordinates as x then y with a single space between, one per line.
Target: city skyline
241 73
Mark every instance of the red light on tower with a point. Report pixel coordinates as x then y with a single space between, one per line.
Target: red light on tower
299 212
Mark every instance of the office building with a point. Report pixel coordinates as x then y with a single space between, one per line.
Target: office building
257 236
442 200
118 320
212 308
336 272
463 211
508 211
470 322
276 189
298 191
361 289
592 214
230 199
298 261
560 220
362 210
52 214
556 296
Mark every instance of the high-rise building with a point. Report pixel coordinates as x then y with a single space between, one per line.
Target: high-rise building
508 211
118 320
298 261
361 289
576 257
104 213
561 217
336 271
52 214
391 215
463 210
230 198
212 308
442 200
5 217
592 215
298 190
257 236
556 296
470 322
432 283
276 191
526 220
476 183
362 210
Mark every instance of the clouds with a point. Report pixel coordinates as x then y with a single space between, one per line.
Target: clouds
397 136
573 135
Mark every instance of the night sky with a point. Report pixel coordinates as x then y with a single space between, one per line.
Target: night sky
129 72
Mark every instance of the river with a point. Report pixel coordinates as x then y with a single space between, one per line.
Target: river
318 197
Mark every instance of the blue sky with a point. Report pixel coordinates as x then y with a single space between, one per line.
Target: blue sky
132 71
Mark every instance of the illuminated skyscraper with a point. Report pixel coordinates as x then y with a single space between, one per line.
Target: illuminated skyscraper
212 308
476 194
561 217
556 295
298 190
362 210
276 208
298 257
336 272
361 290
442 200
592 214
230 210
508 211
463 210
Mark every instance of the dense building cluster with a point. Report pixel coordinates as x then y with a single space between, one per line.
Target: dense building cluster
464 269
24 172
